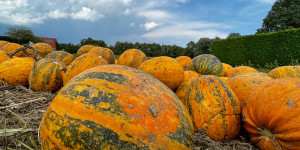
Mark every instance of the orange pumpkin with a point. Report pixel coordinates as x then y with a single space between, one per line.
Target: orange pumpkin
271 116
285 72
240 69
184 61
226 68
224 78
190 74
166 69
116 107
15 71
2 43
3 56
182 90
243 84
84 49
11 47
105 53
43 49
47 75
214 107
62 56
81 63
132 58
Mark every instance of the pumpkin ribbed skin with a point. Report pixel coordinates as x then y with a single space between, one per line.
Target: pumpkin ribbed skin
132 58
182 90
43 48
116 107
206 64
3 56
226 68
271 115
2 43
190 74
105 53
214 107
240 69
81 63
47 75
166 69
11 47
61 56
184 61
243 84
16 70
285 72
84 49
224 78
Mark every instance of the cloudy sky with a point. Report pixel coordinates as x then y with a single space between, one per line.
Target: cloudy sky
160 21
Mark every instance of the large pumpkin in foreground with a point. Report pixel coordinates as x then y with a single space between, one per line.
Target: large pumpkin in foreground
285 72
116 107
206 64
271 115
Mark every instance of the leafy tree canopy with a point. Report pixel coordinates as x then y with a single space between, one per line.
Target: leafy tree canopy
21 33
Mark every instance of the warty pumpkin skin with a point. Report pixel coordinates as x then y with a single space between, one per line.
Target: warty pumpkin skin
105 53
184 61
271 116
2 43
226 68
243 84
206 64
47 75
190 74
11 47
43 48
61 56
116 107
81 63
166 69
3 56
240 69
214 107
285 72
16 70
132 58
84 49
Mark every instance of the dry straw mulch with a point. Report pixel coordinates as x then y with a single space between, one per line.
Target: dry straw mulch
21 111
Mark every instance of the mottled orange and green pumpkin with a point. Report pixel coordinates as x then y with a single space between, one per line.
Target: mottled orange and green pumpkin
11 47
47 75
81 63
16 70
243 84
226 68
189 74
43 48
61 56
206 64
240 69
271 116
132 58
184 61
166 69
285 72
105 53
84 49
182 90
214 107
116 107
3 56
2 43
224 78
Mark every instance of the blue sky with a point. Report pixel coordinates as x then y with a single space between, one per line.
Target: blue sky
161 21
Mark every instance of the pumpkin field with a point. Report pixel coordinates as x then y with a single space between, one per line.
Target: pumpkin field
52 99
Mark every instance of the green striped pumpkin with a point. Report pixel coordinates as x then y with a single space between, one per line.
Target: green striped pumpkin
61 56
206 64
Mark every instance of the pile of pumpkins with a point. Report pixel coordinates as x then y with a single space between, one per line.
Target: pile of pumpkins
157 103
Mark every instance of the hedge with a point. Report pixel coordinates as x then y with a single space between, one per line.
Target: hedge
13 40
282 47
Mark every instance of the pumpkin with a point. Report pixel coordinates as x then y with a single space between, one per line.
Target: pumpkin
84 49
3 56
2 43
10 47
81 63
214 107
43 49
224 78
189 74
243 84
105 53
47 75
116 107
182 90
241 69
166 69
184 61
132 58
206 64
285 72
62 56
15 71
271 116
226 68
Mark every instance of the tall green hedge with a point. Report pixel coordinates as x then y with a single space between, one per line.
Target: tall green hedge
282 47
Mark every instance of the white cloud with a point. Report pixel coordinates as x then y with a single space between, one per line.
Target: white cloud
132 24
150 25
127 12
57 14
155 14
182 1
87 14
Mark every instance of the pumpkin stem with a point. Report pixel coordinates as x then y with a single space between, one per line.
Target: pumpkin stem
23 48
268 135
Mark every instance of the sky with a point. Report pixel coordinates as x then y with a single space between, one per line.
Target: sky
171 22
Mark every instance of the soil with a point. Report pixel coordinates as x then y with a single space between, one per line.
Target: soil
21 111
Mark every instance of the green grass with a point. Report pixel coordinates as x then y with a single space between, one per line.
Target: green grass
265 70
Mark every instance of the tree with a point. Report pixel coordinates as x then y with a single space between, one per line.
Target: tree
90 41
233 34
21 33
284 14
